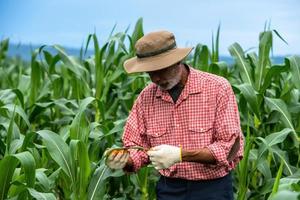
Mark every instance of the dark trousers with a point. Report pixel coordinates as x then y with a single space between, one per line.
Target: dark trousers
181 189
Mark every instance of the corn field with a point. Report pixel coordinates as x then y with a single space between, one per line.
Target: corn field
59 113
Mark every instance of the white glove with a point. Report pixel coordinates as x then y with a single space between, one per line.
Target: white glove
117 161
164 156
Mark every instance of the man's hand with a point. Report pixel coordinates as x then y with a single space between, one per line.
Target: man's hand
164 156
117 160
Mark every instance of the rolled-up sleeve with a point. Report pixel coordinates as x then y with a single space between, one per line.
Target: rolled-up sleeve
134 135
227 147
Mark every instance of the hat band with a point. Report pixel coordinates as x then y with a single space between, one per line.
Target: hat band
154 53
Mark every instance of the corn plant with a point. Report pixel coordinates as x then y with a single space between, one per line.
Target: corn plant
60 113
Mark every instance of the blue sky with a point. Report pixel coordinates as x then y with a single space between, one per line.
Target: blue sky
68 22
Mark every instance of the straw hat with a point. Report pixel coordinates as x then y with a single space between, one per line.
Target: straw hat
155 51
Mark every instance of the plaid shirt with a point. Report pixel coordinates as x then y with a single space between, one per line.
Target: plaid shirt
205 115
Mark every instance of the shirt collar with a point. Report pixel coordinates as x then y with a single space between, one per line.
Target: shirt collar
194 82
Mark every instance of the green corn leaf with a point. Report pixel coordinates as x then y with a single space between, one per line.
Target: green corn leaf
79 126
35 77
20 96
70 62
243 167
28 140
291 182
138 32
275 151
6 97
283 156
15 108
272 139
279 106
215 46
8 166
57 86
265 45
54 176
9 136
294 62
278 35
51 61
3 49
15 146
253 58
87 43
80 154
28 163
98 182
119 38
43 180
264 168
112 30
201 57
273 72
101 109
99 66
40 195
62 104
97 185
250 95
245 70
219 68
140 179
6 174
277 180
48 57
285 194
59 152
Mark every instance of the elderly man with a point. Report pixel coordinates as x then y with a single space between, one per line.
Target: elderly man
188 120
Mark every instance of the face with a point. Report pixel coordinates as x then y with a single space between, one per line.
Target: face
166 78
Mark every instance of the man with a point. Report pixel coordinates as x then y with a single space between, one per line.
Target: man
188 120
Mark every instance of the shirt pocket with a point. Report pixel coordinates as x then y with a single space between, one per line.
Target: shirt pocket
200 134
199 128
157 131
157 135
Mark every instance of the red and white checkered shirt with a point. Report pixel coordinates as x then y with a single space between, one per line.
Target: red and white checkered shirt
205 115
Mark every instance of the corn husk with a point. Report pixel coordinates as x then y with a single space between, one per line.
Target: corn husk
109 150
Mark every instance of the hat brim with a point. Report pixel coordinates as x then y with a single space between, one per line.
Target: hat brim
157 62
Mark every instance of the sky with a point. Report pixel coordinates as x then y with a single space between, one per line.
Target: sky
68 22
